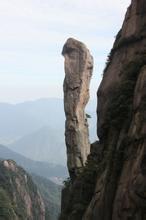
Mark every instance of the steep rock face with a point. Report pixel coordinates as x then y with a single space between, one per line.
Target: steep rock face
19 197
119 158
78 71
120 188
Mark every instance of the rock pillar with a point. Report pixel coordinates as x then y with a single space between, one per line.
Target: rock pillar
78 72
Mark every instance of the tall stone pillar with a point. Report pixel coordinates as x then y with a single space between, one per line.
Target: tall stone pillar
78 72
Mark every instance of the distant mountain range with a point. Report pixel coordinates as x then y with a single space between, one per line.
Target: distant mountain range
24 118
35 129
44 169
33 133
43 145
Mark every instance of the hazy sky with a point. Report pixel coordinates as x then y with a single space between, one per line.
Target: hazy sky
33 33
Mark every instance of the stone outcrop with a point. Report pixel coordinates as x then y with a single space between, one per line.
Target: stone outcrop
78 72
19 197
118 160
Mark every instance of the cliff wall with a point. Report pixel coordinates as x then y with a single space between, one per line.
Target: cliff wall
113 183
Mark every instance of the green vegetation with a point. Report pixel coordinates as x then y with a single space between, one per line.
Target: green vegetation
67 182
110 55
119 114
120 103
6 208
84 187
126 41
88 178
119 43
51 194
108 60
14 184
88 116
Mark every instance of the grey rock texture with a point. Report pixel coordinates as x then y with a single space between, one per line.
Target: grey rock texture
78 72
118 160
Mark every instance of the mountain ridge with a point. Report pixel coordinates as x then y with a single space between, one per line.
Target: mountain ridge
39 168
19 196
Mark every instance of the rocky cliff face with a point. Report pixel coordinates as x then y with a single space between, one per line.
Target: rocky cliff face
19 197
78 72
113 183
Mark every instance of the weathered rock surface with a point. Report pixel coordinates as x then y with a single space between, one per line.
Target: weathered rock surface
19 197
78 72
119 158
